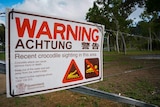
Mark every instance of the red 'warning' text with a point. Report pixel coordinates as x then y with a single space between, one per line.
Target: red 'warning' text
66 32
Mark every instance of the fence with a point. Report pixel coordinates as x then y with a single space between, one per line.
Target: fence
129 41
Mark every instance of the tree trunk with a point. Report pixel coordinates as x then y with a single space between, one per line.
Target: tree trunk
124 44
117 43
150 38
108 44
148 44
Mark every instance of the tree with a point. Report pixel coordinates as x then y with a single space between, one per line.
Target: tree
151 19
149 5
113 15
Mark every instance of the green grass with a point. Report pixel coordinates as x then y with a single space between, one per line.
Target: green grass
142 52
111 56
143 90
132 52
2 56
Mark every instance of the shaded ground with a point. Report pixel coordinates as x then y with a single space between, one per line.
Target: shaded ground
123 75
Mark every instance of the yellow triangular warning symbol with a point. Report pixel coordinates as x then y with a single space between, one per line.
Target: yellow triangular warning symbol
73 73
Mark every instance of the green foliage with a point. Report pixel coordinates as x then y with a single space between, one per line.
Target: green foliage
2 33
2 37
94 14
110 14
156 45
153 5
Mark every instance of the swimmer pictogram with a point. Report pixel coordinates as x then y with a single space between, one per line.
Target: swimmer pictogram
91 68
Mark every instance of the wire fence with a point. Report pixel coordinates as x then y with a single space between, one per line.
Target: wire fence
132 42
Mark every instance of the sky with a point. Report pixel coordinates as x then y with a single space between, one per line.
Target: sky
70 9
135 15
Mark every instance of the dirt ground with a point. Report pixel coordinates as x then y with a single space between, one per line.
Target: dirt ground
123 75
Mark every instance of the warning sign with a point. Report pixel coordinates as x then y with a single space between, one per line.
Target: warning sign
46 53
73 73
91 68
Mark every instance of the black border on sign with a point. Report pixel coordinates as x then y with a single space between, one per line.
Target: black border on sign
10 17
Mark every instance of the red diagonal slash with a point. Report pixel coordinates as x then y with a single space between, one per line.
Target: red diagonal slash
92 67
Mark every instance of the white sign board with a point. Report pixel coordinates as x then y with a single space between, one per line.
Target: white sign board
46 54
